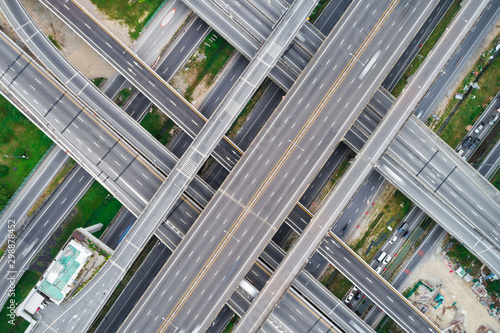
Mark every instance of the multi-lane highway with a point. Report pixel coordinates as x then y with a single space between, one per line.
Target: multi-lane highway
268 208
360 169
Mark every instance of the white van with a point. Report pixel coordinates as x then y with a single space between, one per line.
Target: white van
381 257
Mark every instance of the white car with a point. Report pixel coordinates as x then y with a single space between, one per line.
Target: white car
378 270
387 259
393 240
349 298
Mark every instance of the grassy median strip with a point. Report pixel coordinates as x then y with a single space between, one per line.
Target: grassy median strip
134 14
318 10
337 283
238 123
159 125
459 115
427 47
58 179
202 68
23 287
391 214
18 137
123 95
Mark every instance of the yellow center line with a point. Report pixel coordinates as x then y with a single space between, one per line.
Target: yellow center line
83 109
276 168
382 279
202 117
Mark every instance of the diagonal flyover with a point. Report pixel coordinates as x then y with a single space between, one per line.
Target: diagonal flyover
267 182
355 175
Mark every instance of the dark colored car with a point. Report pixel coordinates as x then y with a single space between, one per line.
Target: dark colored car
475 143
467 141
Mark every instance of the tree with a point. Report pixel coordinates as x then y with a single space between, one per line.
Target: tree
4 170
493 287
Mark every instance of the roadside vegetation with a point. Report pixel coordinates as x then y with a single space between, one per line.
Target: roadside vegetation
390 215
461 255
231 324
96 206
495 180
123 95
387 325
98 80
486 145
238 123
135 14
55 42
341 169
459 114
318 10
337 283
23 287
123 283
18 137
427 47
58 179
159 125
202 68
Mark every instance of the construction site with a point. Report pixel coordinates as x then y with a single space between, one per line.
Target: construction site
451 298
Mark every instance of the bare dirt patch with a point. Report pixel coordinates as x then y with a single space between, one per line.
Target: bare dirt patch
82 56
454 289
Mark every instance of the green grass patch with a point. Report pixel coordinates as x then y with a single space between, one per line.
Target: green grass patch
159 125
18 136
337 283
391 214
462 255
318 10
55 42
471 108
133 14
123 95
238 123
387 325
427 47
97 81
23 287
96 206
337 174
230 325
495 180
61 175
207 62
123 283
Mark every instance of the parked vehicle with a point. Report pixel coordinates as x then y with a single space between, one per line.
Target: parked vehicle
479 128
349 298
387 259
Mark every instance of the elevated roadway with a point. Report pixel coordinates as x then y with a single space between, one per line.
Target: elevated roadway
148 82
268 208
346 188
